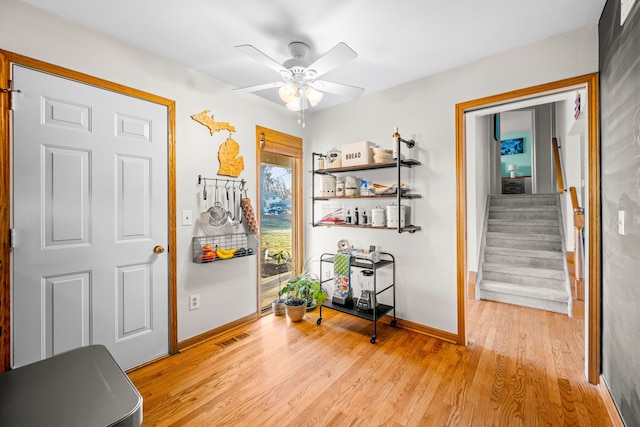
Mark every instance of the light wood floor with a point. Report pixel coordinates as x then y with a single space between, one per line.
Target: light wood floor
523 367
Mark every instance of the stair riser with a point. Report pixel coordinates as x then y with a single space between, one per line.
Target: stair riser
523 261
557 307
528 214
522 229
541 282
524 200
524 244
518 221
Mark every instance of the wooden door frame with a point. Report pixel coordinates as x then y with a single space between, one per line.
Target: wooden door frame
591 82
6 59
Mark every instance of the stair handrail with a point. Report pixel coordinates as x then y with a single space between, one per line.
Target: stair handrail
558 163
578 223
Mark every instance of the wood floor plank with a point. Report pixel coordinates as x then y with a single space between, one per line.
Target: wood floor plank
521 367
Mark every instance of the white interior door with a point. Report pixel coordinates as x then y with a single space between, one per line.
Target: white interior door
89 206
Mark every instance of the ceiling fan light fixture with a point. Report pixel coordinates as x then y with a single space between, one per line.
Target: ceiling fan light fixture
313 95
294 104
300 89
288 92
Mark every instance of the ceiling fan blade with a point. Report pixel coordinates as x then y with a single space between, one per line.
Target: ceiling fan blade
259 87
256 54
338 55
346 91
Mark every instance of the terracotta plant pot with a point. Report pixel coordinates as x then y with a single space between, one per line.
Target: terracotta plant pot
278 308
295 313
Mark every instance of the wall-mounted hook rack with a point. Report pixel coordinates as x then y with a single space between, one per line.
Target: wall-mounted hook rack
222 181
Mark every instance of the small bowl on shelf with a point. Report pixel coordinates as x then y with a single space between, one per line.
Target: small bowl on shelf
382 152
382 158
384 189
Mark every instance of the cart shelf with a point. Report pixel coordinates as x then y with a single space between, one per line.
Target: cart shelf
386 260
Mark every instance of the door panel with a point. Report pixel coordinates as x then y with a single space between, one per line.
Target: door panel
67 312
134 300
133 192
90 203
66 197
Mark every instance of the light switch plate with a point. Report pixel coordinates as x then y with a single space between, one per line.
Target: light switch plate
187 218
621 225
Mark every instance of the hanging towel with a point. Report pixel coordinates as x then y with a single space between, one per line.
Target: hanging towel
341 275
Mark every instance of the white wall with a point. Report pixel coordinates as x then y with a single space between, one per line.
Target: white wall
572 138
516 122
480 135
425 110
227 289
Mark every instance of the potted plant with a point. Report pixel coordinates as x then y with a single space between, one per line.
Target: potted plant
300 289
281 258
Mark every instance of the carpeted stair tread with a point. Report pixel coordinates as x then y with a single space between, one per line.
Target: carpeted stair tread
553 263
522 221
545 273
524 253
512 236
523 214
522 207
507 294
537 244
523 229
523 290
528 199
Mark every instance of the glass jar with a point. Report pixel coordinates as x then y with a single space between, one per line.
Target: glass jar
350 186
334 158
340 187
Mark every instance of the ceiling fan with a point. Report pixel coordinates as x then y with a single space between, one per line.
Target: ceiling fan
299 88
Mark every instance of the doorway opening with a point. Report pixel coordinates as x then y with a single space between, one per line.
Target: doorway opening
279 212
466 173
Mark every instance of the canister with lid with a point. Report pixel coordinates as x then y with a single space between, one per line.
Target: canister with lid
392 216
350 186
340 187
377 217
328 188
334 158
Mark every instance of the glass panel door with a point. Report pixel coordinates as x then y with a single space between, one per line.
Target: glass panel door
276 225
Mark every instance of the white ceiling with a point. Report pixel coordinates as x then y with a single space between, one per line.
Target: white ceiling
396 41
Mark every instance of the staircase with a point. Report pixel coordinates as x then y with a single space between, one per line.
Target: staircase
523 251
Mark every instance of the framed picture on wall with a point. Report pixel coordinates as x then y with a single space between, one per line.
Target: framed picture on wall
511 146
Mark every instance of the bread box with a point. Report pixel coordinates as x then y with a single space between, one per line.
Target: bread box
357 153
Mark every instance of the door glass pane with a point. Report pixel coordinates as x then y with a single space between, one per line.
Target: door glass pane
276 227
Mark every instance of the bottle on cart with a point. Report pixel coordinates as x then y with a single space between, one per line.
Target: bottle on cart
347 219
364 217
355 216
396 143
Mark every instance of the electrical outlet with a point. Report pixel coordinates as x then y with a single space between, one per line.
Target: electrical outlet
327 275
194 302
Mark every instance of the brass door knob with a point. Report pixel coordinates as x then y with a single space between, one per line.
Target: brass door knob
158 249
